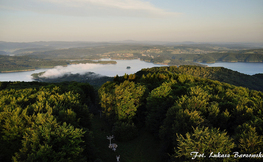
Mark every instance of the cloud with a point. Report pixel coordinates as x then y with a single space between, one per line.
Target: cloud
118 4
133 8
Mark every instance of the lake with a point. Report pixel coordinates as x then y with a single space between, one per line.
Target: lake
120 68
242 67
108 70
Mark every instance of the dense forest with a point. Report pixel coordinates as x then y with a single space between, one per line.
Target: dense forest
186 113
43 122
157 114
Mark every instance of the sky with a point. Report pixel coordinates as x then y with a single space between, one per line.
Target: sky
138 20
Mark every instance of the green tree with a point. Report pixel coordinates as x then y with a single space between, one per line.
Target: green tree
250 141
205 141
121 101
46 140
158 102
124 131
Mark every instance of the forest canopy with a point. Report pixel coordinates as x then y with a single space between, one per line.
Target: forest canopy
46 122
183 109
180 110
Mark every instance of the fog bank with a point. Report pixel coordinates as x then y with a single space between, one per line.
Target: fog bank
59 71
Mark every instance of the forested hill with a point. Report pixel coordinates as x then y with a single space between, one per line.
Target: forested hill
221 74
186 113
160 114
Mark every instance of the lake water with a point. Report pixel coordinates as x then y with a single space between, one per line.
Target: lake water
108 70
242 67
19 76
120 68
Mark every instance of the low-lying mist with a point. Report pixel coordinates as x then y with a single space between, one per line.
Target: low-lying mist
110 70
59 71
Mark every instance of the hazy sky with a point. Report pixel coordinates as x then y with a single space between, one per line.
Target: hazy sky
141 20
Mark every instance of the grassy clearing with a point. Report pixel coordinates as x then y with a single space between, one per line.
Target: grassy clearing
142 149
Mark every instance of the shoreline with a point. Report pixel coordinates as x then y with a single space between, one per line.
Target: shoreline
114 61
14 71
50 67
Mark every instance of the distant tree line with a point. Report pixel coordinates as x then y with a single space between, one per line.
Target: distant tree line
16 63
203 58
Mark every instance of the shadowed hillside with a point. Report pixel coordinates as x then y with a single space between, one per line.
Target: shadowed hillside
221 74
89 77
